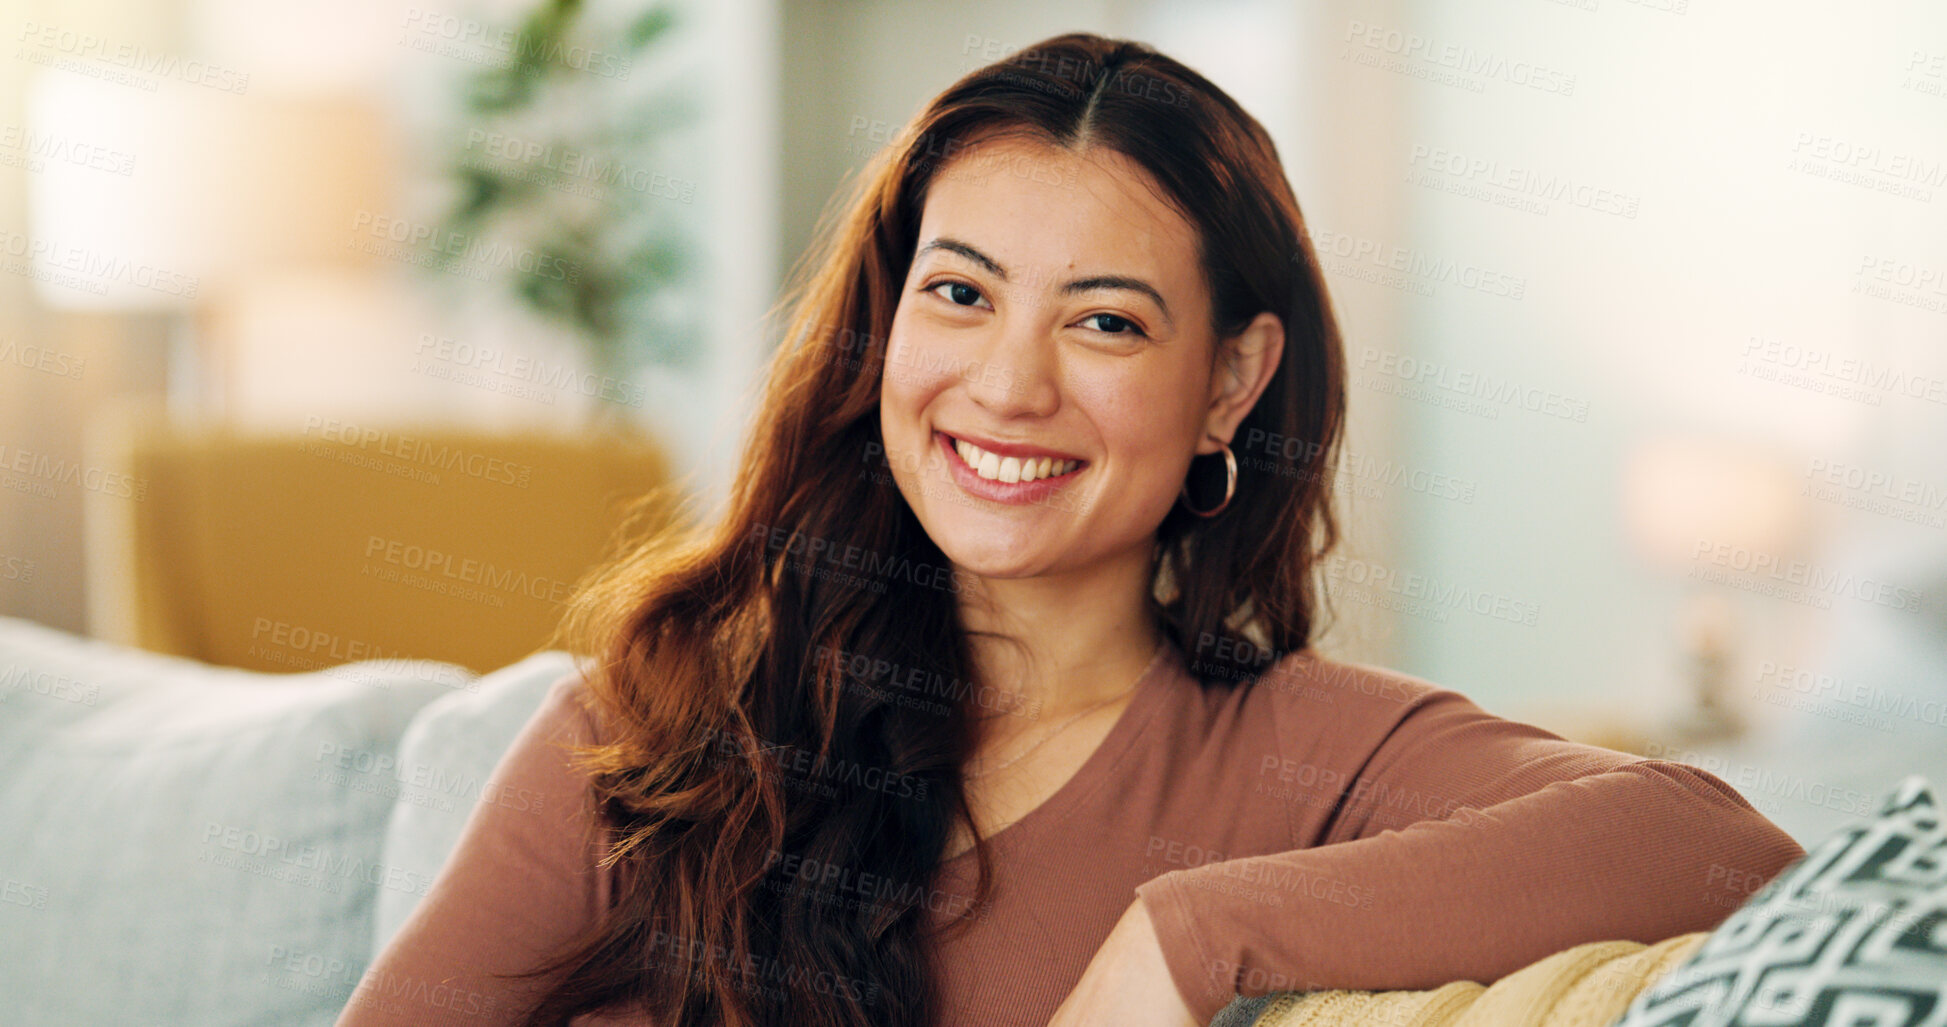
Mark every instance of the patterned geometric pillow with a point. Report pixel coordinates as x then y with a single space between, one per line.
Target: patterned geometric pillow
1853 934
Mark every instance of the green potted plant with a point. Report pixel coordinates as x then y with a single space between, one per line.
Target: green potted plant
562 151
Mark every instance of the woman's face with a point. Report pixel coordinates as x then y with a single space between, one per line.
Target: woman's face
1054 311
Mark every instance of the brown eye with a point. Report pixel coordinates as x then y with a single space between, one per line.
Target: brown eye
1110 324
958 293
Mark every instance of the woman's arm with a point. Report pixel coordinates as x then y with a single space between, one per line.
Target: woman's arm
521 881
1465 847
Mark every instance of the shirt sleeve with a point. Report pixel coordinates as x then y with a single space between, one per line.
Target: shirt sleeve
521 881
1463 847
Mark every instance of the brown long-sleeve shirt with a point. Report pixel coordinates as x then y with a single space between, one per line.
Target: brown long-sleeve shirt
1333 825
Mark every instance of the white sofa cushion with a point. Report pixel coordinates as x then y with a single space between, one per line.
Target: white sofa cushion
186 844
447 754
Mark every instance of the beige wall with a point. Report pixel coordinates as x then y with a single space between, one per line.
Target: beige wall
42 413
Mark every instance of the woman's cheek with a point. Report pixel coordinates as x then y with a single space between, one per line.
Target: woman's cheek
903 395
918 366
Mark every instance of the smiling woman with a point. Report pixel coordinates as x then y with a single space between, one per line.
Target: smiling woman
972 709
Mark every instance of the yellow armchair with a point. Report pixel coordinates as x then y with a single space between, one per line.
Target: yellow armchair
335 542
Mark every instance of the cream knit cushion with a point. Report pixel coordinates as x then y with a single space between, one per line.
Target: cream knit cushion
1585 986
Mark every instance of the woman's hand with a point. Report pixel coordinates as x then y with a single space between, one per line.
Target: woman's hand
1127 984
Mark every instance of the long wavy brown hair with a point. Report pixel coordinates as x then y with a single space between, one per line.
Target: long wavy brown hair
719 645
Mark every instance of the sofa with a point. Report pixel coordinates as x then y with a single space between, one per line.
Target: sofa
193 844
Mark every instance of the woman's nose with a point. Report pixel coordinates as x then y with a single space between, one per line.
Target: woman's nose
1019 370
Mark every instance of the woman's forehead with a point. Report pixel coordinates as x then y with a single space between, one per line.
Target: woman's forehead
1042 210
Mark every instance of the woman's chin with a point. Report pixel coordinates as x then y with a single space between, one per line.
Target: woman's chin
996 557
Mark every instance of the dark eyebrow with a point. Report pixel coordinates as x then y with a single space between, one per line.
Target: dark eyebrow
1089 284
965 250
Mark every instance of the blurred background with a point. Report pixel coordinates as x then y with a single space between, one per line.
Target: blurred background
333 331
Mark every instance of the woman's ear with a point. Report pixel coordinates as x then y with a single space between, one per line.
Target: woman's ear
1244 366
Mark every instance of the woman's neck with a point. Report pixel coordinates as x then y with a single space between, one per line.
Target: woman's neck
1087 635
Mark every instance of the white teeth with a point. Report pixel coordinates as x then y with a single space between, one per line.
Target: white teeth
1011 469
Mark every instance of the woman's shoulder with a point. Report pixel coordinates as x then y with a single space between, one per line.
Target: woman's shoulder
1305 674
1310 672
569 712
1313 686
544 762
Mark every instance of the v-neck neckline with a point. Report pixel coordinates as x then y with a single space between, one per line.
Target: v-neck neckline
1122 734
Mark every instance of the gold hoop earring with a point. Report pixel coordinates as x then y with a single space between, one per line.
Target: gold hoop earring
1230 485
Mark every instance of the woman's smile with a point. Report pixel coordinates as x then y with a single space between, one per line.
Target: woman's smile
1017 477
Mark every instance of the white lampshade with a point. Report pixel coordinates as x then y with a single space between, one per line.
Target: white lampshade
219 186
103 238
1678 492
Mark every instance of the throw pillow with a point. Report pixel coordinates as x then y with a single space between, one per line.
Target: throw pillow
445 757
188 844
1855 933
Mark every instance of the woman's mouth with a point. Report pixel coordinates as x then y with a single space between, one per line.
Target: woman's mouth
1009 469
1007 479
